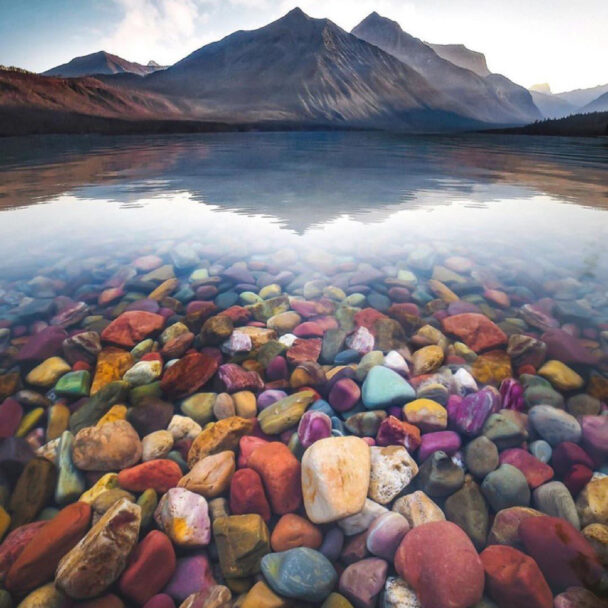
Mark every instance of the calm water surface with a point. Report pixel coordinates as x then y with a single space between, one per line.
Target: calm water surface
507 200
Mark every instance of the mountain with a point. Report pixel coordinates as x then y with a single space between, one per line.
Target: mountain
460 55
582 97
303 69
597 105
493 99
552 106
31 103
101 63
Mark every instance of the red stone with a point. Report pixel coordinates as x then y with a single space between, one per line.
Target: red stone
132 327
11 413
308 329
577 478
247 494
514 579
535 471
239 315
150 566
160 475
304 350
188 375
367 317
475 330
15 543
564 555
280 471
247 445
38 561
162 600
566 454
393 431
440 562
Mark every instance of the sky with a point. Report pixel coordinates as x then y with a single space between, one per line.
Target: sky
562 42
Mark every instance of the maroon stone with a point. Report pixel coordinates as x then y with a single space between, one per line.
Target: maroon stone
304 350
247 494
535 471
46 343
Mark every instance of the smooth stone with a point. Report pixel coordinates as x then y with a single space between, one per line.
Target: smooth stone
48 372
561 376
294 531
160 475
330 495
541 450
285 413
430 551
506 487
554 499
192 574
359 522
467 508
99 558
595 437
156 445
535 471
199 407
597 536
300 573
439 441
242 541
469 414
344 394
313 425
47 596
74 384
554 425
184 517
210 477
507 429
383 388
365 424
363 581
592 502
418 509
439 476
247 494
392 470
70 480
481 456
426 414
385 534
99 404
505 527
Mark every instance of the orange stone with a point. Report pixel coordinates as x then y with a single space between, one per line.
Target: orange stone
132 327
112 363
294 531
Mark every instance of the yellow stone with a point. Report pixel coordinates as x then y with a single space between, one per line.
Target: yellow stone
262 596
48 372
560 375
5 522
442 291
492 367
597 535
112 364
258 335
108 482
270 291
164 289
426 414
116 412
592 502
29 421
58 419
245 404
427 359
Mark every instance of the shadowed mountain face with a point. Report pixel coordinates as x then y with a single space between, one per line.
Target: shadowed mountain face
101 63
598 105
460 55
299 68
492 99
582 97
552 106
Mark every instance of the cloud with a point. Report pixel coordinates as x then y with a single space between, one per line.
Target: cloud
164 30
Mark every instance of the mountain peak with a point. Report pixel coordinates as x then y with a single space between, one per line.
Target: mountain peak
296 13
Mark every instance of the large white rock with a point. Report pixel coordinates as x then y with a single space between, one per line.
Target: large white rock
335 478
392 470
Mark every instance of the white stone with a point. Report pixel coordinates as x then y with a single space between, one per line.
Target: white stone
462 383
359 522
395 361
143 372
183 427
335 478
398 594
156 445
392 469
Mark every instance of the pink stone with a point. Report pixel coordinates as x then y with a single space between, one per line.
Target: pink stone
440 441
344 394
314 425
535 471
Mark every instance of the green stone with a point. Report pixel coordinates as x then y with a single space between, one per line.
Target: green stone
138 393
262 311
98 405
70 481
141 349
267 352
148 501
285 413
199 407
248 298
74 384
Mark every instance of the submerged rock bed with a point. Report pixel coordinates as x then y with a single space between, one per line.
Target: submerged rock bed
424 430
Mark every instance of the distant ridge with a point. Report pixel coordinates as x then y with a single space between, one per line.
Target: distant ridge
101 62
460 55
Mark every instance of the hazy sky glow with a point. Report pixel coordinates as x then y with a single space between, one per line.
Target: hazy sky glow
563 42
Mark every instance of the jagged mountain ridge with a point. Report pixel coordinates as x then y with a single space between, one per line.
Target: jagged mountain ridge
493 99
463 57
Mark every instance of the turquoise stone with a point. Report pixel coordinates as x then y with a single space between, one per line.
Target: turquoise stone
383 387
70 481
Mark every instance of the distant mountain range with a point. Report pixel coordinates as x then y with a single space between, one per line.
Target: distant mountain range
559 105
101 63
295 72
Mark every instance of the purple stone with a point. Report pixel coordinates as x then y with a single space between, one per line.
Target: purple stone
43 345
11 413
595 437
314 425
385 534
277 369
473 410
395 411
269 397
332 544
362 581
162 600
512 395
192 574
235 378
344 395
566 348
206 292
71 314
144 304
440 441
